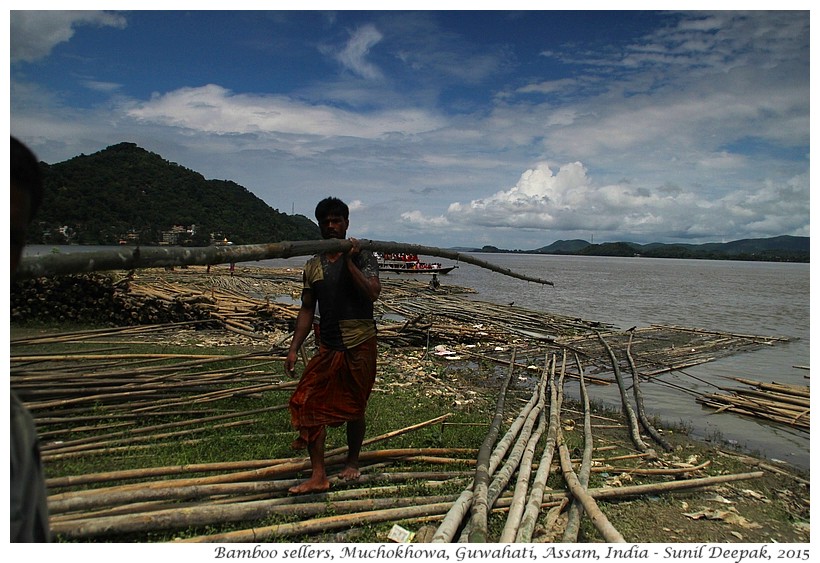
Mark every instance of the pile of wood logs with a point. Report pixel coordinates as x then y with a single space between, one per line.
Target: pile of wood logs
99 299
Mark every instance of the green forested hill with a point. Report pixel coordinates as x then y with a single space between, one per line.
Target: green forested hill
125 191
783 248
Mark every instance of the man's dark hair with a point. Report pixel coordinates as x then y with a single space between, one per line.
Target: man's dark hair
331 206
25 174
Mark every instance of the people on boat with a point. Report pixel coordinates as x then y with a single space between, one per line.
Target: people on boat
400 261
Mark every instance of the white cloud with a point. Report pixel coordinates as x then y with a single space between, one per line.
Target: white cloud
568 201
36 33
417 220
100 86
550 86
354 54
214 109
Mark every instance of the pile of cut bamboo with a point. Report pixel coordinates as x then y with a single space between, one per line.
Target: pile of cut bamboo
171 498
131 504
777 402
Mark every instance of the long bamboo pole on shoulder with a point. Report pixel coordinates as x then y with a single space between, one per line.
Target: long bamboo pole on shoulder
131 258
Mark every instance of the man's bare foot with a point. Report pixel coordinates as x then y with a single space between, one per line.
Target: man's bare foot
310 486
350 473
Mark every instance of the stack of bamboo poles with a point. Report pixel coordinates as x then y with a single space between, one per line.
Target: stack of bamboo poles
242 304
658 349
69 394
515 454
175 498
241 301
777 402
166 500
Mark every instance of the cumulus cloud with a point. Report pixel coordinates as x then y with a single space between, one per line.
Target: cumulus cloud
36 33
569 201
354 54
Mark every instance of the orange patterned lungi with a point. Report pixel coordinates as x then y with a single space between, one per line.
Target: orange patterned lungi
334 388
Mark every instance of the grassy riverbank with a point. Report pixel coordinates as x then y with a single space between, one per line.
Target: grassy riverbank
414 385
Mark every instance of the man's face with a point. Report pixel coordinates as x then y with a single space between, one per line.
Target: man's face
333 226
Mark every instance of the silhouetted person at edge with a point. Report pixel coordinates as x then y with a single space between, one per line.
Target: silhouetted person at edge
29 510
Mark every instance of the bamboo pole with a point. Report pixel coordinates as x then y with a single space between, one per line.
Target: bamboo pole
247 470
635 433
98 498
480 506
509 437
196 516
612 493
128 258
639 405
799 390
576 510
530 516
323 524
513 463
451 522
518 503
153 428
599 520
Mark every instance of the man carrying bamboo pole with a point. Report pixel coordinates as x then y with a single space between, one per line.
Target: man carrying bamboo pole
29 510
336 383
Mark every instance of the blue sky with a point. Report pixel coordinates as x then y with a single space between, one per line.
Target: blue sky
449 128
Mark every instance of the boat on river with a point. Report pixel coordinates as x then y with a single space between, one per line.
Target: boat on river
402 263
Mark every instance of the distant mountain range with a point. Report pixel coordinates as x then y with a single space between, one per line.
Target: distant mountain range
775 249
